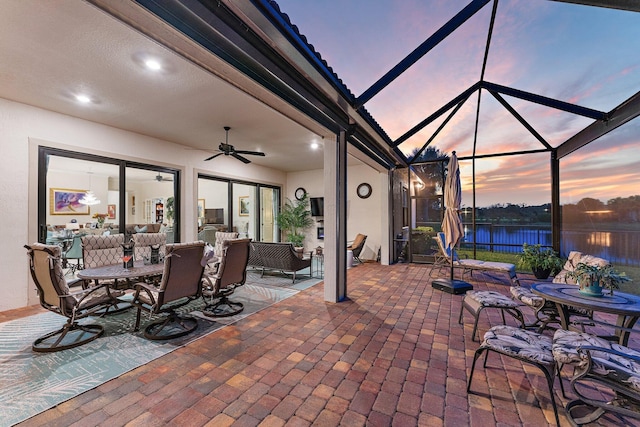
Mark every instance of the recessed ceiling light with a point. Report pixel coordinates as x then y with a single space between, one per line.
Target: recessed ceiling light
83 99
152 64
314 145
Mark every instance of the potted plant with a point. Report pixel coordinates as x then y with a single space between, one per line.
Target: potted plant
293 219
592 279
542 261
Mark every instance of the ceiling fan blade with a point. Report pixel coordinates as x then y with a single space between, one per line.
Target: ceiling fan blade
239 157
253 153
213 157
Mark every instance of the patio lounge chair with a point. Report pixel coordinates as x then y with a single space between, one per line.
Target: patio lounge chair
443 259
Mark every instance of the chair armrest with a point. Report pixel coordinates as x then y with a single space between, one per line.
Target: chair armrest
146 287
587 349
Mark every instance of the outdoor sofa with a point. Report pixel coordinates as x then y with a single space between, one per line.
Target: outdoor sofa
277 256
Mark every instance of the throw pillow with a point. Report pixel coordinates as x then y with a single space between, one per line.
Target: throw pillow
140 229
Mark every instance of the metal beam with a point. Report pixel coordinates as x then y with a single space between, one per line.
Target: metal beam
521 119
421 50
462 97
623 113
543 100
630 5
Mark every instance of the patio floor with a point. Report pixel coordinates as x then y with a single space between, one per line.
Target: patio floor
392 355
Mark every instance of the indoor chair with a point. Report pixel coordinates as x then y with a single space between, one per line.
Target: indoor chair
73 253
53 291
179 285
357 245
231 273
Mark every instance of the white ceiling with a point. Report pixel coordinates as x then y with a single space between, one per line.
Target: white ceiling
53 50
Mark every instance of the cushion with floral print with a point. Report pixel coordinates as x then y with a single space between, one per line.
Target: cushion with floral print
513 341
526 296
566 349
491 299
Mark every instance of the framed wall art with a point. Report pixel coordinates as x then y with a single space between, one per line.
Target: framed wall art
64 201
111 211
201 207
244 206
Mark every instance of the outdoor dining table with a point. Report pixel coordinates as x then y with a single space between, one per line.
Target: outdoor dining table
625 306
118 272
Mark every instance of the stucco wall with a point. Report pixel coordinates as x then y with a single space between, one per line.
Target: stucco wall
364 216
23 128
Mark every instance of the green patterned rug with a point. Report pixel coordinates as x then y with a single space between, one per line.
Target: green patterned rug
33 382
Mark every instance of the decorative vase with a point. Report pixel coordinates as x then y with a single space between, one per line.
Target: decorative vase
101 222
592 289
540 273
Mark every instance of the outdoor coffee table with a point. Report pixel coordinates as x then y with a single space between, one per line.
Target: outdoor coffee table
626 306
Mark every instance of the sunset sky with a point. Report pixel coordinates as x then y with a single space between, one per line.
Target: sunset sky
584 55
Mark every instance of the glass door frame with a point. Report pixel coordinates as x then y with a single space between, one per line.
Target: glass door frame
231 203
43 154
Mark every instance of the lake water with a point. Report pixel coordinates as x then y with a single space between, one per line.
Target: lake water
619 247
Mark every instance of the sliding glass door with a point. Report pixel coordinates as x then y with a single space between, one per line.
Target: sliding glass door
247 208
86 194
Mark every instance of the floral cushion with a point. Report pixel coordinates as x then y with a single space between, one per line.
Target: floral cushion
521 343
526 296
491 299
617 368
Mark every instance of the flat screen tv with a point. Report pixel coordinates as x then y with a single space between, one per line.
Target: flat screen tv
214 216
317 206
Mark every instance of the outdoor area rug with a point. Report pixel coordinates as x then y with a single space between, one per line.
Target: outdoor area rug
33 382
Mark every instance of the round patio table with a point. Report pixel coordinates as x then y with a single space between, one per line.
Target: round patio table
626 306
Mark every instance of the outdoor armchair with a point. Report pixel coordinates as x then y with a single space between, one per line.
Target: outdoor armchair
55 295
599 364
357 245
231 273
180 284
546 311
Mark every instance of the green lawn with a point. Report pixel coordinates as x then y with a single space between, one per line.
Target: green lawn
632 272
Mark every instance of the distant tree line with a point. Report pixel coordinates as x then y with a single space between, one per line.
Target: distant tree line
620 209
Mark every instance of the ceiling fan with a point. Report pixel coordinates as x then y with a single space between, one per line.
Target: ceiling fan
161 178
229 150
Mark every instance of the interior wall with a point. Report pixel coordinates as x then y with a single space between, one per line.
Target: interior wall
25 127
364 216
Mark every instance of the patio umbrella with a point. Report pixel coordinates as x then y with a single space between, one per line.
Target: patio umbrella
452 223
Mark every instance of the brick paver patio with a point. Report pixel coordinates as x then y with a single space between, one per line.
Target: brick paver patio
392 355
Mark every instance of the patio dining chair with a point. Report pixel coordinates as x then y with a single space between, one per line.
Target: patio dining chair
231 273
180 284
55 295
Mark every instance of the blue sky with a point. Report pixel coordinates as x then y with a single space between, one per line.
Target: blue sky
584 55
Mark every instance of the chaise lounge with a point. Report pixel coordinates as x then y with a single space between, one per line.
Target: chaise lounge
443 259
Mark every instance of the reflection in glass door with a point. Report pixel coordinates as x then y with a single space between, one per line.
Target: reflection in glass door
269 201
244 210
150 201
